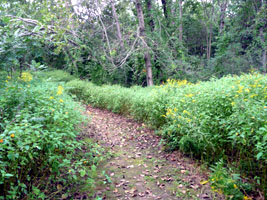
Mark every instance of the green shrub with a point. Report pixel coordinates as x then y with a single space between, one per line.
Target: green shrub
223 118
38 143
136 101
226 181
55 75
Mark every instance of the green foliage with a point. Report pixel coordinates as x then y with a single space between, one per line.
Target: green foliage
136 101
222 118
224 180
55 76
38 146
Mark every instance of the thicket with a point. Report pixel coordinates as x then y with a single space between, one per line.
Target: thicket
219 119
40 155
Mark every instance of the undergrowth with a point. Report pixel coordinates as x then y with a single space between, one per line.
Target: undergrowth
40 154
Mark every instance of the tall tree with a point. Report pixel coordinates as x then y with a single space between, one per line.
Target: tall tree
149 14
164 6
147 57
114 12
181 21
263 5
223 6
209 9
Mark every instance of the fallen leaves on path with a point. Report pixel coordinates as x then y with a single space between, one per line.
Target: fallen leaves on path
140 168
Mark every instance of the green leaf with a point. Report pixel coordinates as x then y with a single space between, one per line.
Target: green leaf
259 155
82 173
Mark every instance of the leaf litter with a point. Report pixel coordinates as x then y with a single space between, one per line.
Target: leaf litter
140 168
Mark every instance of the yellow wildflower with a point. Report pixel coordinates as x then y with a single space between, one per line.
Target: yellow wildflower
254 95
60 90
240 89
247 198
186 112
189 95
51 97
169 112
204 182
61 100
235 186
26 76
12 135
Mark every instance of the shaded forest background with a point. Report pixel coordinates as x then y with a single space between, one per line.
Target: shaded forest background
134 42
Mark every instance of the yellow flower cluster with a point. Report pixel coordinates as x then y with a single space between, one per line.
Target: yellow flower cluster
60 90
186 112
26 76
177 83
189 95
240 89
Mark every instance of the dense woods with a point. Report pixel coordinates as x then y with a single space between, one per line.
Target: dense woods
192 70
135 42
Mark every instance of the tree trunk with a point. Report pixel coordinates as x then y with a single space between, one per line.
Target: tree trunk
223 7
207 43
164 6
210 40
149 78
262 41
181 21
114 12
263 51
149 9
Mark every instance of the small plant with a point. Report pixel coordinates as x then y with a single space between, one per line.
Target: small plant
224 181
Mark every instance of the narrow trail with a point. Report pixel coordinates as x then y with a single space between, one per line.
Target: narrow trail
139 167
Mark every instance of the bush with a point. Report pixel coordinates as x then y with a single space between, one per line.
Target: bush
55 75
223 118
38 139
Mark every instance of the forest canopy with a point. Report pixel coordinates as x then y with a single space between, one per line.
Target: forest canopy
134 42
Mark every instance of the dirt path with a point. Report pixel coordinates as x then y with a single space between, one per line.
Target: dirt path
139 167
